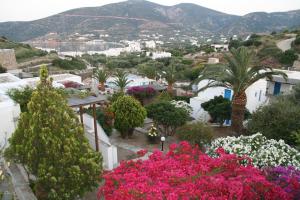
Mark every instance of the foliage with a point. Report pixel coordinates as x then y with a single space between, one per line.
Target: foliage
269 51
128 114
182 104
101 76
67 64
182 98
105 119
263 152
297 40
141 92
21 96
288 57
192 73
50 142
187 173
163 96
2 69
121 80
286 177
218 108
167 117
196 133
238 74
113 98
277 120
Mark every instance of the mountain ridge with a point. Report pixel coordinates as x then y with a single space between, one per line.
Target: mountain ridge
129 19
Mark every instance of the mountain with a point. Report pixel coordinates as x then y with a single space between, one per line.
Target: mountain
129 19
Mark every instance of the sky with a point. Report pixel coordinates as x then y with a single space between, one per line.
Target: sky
25 10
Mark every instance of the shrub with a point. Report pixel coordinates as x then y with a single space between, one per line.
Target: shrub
129 113
262 151
277 120
72 64
286 177
141 92
297 40
187 173
167 117
104 118
21 96
182 104
197 133
288 57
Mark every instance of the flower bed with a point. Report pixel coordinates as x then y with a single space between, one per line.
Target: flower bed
262 151
187 173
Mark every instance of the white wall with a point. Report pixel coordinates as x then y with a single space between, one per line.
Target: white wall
108 151
256 97
9 114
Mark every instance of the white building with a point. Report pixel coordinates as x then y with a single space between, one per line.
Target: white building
280 86
150 44
213 61
220 47
158 54
134 80
256 97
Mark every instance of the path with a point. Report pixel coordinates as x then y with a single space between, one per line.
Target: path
285 44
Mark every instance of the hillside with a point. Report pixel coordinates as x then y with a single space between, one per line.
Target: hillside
130 19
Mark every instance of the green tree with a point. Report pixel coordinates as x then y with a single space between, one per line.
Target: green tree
218 108
238 74
2 69
167 117
129 113
49 141
101 76
288 57
121 80
170 76
196 133
278 120
21 96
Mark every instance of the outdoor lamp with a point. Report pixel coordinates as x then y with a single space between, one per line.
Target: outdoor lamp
162 139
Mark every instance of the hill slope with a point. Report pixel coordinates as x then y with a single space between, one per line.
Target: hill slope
130 18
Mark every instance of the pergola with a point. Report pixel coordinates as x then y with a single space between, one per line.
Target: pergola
75 102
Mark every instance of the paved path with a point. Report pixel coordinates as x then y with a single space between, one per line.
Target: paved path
285 44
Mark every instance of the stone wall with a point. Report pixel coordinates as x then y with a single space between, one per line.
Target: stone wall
8 58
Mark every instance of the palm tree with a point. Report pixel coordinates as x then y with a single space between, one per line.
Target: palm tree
121 80
170 77
101 75
238 74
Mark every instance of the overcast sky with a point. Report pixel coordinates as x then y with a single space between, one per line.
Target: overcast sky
24 10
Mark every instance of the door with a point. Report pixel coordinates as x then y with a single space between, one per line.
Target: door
277 87
227 94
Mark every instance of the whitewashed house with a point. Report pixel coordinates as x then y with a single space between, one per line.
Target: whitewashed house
280 86
134 80
256 97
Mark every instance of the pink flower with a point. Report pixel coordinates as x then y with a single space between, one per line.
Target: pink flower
141 153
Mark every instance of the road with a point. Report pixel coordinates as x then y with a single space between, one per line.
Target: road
285 44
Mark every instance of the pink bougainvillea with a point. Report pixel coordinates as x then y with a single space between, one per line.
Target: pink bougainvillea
187 173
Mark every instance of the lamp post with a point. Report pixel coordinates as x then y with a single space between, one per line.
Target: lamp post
162 139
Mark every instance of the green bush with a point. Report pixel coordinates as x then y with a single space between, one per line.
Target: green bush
197 133
297 40
104 118
271 51
129 113
288 57
66 64
21 96
277 120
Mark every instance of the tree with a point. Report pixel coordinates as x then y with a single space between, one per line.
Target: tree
170 76
21 96
288 57
2 69
167 117
278 120
121 80
238 74
49 141
101 76
196 133
218 108
128 114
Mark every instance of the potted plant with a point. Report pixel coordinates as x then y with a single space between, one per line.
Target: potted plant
152 135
